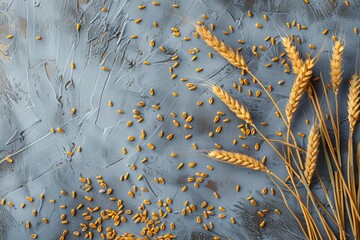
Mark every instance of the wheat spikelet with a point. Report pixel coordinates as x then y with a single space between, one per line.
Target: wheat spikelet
312 152
224 50
354 101
240 110
238 159
336 64
300 85
293 55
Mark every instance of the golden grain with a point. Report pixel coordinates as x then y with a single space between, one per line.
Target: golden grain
354 101
293 55
240 110
224 50
300 86
312 152
237 159
336 64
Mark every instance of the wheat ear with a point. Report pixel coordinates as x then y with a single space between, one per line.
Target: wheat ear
336 64
238 159
293 55
235 58
300 85
354 101
312 152
240 110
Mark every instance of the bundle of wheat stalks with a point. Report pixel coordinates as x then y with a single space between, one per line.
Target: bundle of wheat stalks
341 218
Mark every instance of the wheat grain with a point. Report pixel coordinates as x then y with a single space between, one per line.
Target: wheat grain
312 152
293 55
235 58
336 64
238 159
301 83
240 110
354 101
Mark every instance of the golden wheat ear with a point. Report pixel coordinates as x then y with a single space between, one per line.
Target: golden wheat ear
312 152
300 86
336 64
233 57
238 159
293 54
354 101
237 108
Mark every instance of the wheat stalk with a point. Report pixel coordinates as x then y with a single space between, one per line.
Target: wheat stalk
354 101
300 85
240 110
336 64
235 58
238 159
293 55
312 152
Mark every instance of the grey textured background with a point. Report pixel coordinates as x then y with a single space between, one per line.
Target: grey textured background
38 89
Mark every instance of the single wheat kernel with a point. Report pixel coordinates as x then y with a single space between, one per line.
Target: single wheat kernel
218 146
262 224
312 46
192 164
260 214
211 100
245 146
253 202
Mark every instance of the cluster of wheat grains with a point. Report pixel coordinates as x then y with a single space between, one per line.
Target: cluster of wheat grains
293 55
234 57
237 108
319 135
312 152
336 64
238 159
354 101
300 86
